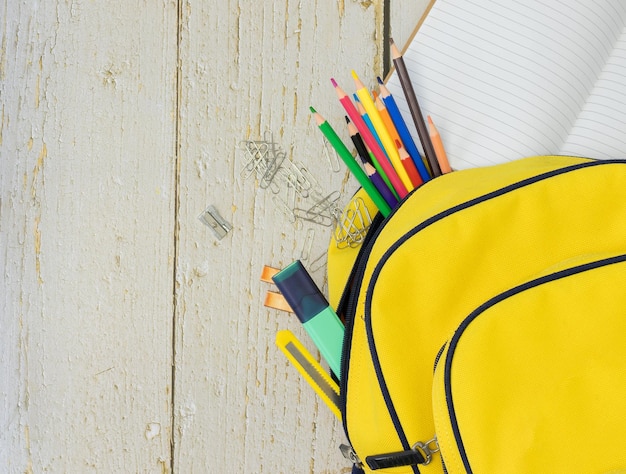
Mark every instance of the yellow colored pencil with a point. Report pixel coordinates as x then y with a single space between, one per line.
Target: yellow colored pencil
392 152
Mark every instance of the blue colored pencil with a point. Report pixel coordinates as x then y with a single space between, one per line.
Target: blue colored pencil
403 131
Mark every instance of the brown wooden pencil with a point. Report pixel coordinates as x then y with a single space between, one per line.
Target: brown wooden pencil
416 113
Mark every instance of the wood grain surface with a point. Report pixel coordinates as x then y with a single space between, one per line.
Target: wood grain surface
132 338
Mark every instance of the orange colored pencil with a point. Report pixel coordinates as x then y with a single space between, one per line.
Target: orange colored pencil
386 118
440 151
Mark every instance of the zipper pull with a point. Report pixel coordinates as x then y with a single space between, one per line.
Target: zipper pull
348 452
420 453
428 448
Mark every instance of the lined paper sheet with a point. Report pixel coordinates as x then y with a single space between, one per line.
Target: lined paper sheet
503 80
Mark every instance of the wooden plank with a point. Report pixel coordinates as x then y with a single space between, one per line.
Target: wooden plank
87 132
97 234
404 17
251 68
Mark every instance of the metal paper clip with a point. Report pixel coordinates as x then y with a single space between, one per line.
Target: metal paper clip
212 219
322 211
314 185
353 224
307 245
257 154
287 211
318 263
271 168
332 157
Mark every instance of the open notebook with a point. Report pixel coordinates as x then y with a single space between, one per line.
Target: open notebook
506 79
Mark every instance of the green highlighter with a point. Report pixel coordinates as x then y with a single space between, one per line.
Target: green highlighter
313 311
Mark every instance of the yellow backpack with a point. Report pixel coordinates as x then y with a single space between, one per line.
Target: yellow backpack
486 323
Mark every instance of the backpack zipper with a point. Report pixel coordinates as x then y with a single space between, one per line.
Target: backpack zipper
370 288
347 308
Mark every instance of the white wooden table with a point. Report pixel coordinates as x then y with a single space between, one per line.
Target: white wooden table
132 339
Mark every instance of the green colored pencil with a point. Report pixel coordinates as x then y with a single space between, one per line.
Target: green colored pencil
353 166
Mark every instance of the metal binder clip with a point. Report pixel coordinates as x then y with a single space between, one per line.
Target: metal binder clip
212 219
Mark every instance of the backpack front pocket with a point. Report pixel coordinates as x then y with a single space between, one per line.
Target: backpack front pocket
534 380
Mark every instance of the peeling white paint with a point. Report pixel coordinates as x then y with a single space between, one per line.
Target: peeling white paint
119 124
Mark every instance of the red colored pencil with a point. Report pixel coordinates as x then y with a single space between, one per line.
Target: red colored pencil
370 141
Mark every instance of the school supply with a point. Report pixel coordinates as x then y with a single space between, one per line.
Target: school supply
348 159
507 79
370 141
484 316
440 151
415 109
507 281
318 319
326 388
403 130
381 130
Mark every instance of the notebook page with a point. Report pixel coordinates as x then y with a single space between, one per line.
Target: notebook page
503 79
600 131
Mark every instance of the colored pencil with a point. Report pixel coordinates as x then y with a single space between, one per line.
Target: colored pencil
442 157
367 102
369 140
409 166
416 113
352 165
366 155
358 142
403 131
386 117
375 178
368 122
